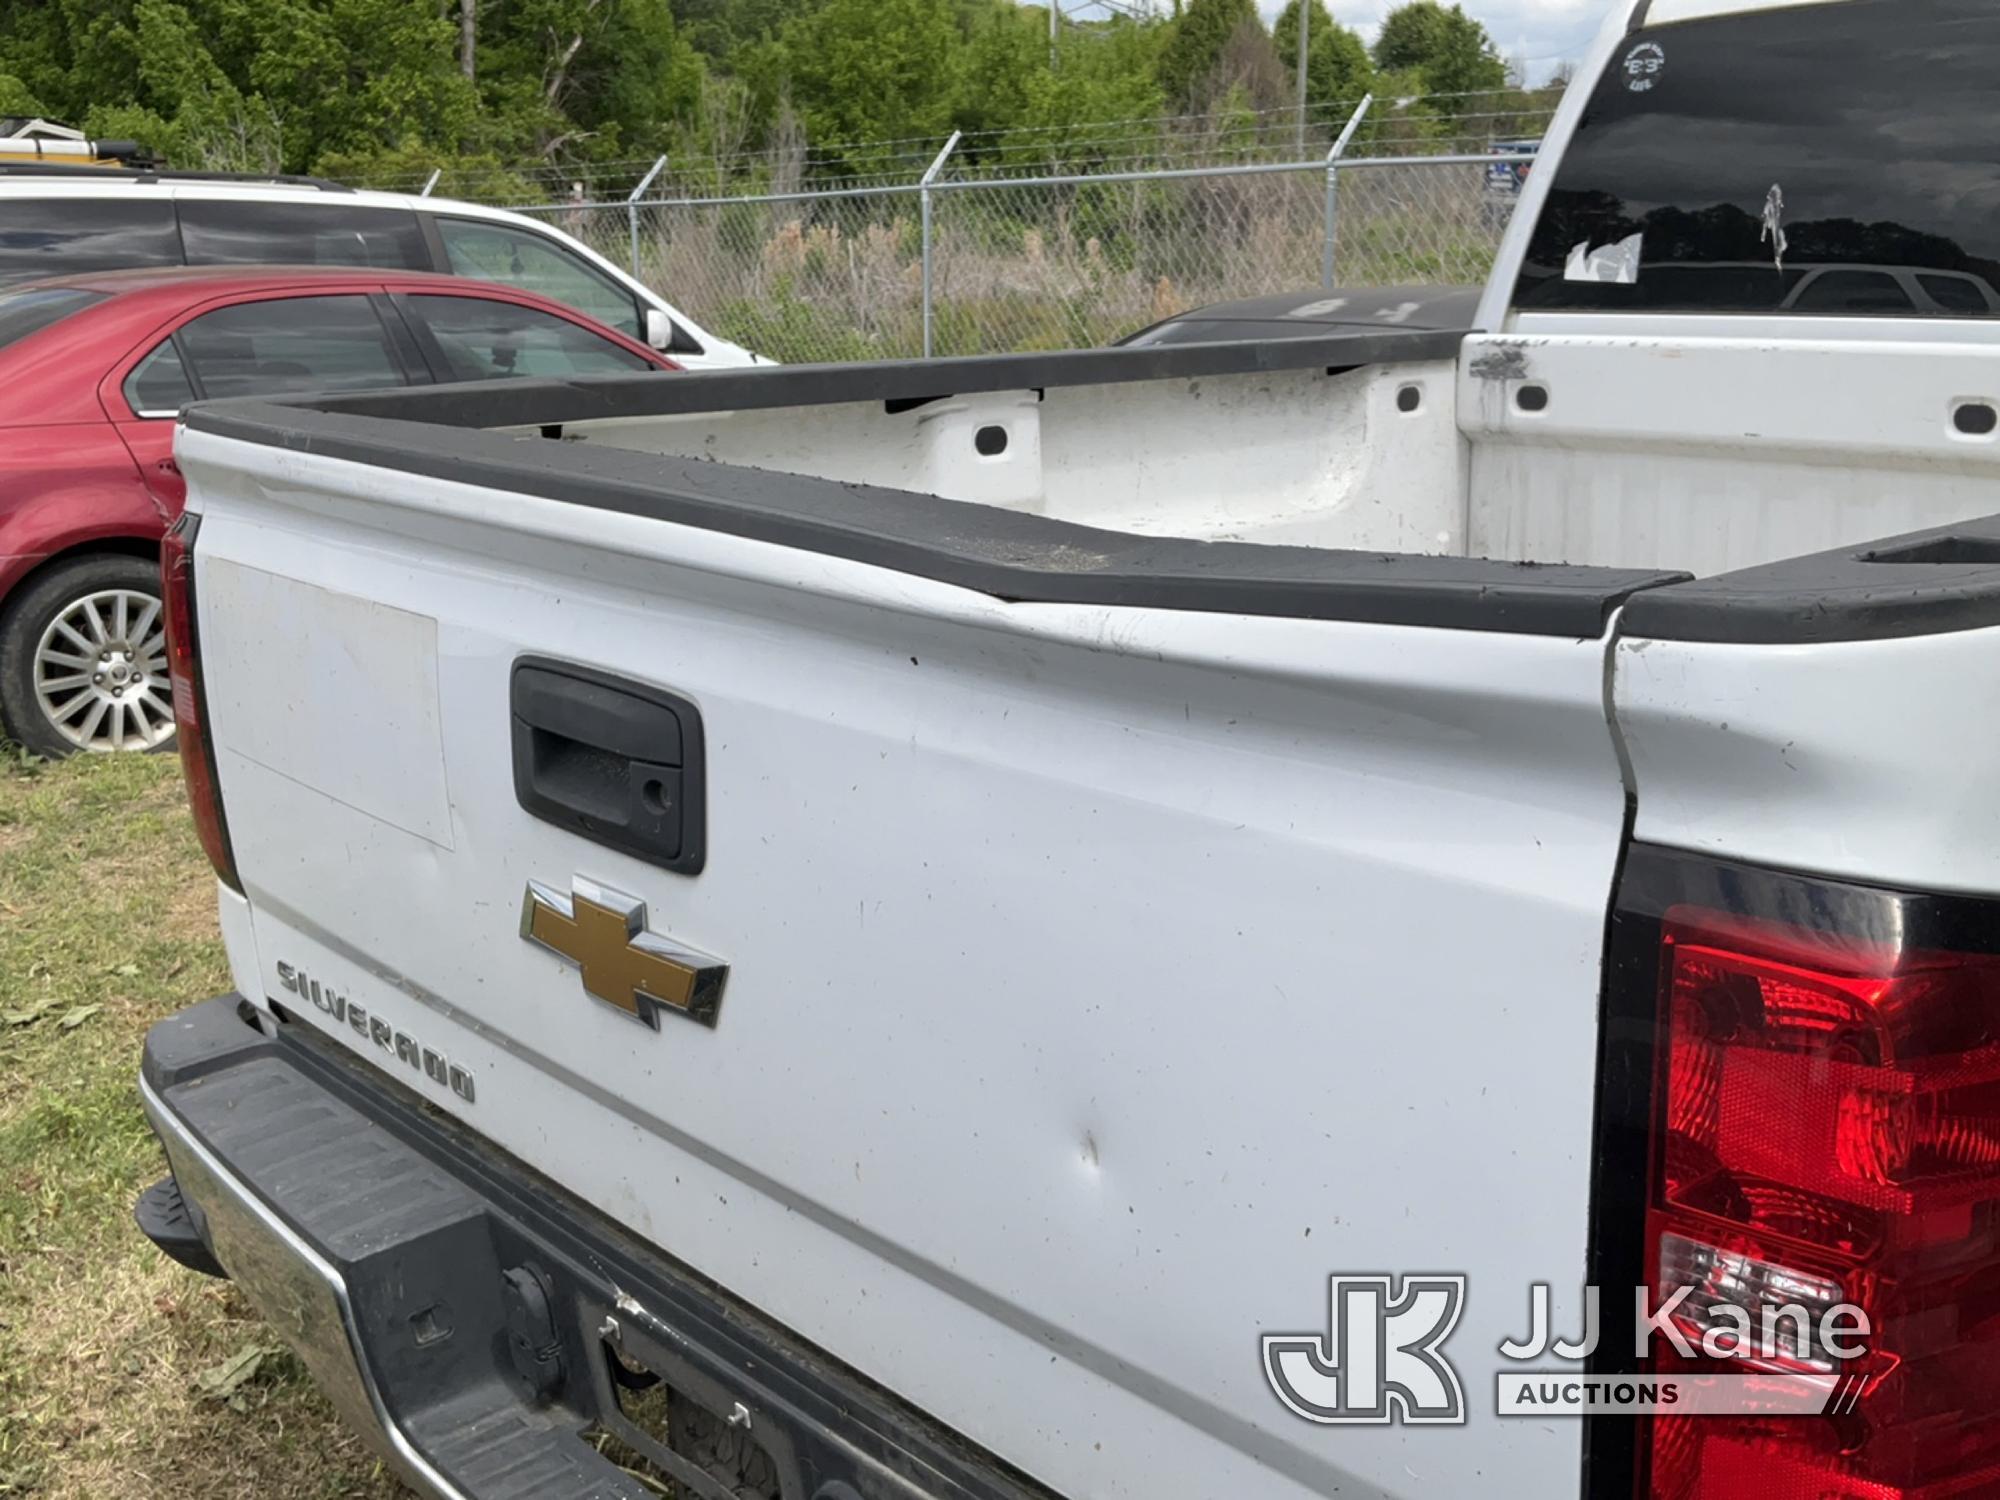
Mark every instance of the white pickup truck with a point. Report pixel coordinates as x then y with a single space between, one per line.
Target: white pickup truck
919 930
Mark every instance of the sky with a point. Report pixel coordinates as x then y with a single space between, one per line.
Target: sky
1544 32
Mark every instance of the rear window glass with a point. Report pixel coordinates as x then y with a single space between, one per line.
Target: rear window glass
292 344
159 387
1824 160
481 339
31 309
321 233
42 237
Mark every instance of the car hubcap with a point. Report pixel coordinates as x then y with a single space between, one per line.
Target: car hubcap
101 673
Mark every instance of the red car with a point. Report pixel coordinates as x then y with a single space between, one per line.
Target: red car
93 371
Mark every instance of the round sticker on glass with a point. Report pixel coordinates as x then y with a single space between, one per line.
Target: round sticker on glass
1643 66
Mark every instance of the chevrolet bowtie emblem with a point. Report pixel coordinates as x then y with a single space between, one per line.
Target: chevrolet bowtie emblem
604 934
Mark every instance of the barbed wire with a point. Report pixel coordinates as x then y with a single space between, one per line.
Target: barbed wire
1170 139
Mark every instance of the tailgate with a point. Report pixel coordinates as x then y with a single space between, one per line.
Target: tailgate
1111 955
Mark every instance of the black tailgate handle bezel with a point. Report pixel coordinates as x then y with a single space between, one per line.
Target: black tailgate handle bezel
617 762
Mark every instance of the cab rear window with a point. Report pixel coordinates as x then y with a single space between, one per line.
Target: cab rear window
1823 160
31 309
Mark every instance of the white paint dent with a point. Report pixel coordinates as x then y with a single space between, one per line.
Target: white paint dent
1863 759
239 942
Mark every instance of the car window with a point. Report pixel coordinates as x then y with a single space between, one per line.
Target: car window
1959 294
486 340
1851 292
159 386
536 263
324 232
291 344
65 236
1794 160
32 309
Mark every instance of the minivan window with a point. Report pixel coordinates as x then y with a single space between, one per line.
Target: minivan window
34 308
535 263
228 232
1807 160
68 236
291 344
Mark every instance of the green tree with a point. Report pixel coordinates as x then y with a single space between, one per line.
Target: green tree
583 79
1338 69
1411 35
256 84
15 98
1068 114
1201 35
1446 48
876 70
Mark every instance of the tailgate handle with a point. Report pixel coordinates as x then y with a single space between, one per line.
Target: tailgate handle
616 762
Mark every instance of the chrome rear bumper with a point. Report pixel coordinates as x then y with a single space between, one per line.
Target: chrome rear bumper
300 1295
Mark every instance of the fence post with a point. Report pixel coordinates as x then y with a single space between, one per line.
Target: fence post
632 210
436 173
924 198
1333 187
1305 15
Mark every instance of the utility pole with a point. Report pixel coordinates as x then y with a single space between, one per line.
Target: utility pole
1305 13
1055 20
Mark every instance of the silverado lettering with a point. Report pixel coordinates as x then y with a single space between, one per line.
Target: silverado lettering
400 1045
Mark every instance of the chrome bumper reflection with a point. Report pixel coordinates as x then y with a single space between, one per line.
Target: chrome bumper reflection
302 1297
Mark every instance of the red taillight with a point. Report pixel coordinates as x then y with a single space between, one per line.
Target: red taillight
190 706
1826 1129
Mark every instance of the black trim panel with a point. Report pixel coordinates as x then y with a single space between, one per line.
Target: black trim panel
1926 583
534 403
1004 554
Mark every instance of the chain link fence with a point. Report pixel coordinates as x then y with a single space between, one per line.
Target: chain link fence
999 265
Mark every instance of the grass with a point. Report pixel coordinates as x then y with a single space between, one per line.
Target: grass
111 1357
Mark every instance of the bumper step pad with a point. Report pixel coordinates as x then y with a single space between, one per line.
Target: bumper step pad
454 1307
163 1217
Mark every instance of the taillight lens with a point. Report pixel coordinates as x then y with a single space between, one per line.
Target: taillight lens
190 705
1826 1129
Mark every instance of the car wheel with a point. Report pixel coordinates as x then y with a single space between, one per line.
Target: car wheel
83 660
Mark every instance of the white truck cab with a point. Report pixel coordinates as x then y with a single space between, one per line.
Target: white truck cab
1095 924
57 220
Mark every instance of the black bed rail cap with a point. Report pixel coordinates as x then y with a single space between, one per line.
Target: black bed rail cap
1005 554
908 382
1931 582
